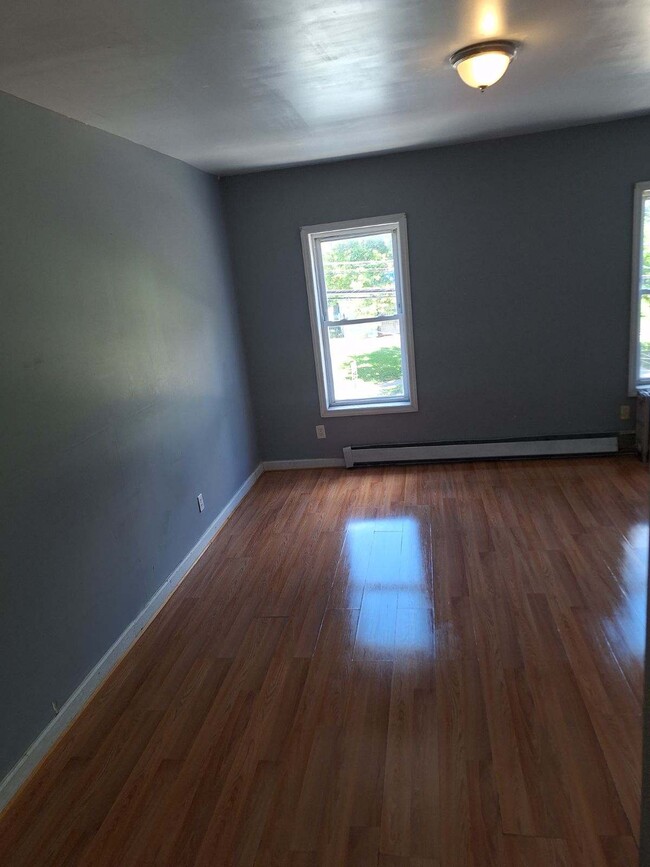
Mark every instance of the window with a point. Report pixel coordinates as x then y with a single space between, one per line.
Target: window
640 327
359 301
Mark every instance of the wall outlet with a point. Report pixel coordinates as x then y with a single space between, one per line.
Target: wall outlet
199 500
320 431
624 411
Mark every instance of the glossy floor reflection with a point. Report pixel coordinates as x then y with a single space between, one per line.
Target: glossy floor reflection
434 666
387 570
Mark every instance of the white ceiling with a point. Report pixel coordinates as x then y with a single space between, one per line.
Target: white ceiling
243 84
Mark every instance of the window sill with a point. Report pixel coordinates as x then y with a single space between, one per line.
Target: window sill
369 409
633 390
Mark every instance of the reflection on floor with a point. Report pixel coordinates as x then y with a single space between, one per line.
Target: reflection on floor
398 667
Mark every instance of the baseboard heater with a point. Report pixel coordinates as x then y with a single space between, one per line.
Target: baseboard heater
355 456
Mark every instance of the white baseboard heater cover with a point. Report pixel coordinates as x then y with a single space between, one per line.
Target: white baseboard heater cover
492 450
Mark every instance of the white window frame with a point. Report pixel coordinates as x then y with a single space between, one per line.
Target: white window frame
641 193
311 236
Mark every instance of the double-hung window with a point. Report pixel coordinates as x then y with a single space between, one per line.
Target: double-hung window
640 307
359 301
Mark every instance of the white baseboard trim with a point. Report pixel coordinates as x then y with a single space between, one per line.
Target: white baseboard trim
94 679
306 464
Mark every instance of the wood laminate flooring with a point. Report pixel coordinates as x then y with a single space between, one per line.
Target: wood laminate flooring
431 666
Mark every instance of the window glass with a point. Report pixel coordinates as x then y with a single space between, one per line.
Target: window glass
359 275
366 360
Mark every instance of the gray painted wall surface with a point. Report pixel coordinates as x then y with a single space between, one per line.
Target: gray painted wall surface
520 270
123 394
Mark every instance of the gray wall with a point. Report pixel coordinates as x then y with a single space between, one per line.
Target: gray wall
123 394
520 267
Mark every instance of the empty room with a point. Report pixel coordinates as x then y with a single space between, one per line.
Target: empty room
324 433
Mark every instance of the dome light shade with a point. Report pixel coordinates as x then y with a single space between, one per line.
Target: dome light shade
483 64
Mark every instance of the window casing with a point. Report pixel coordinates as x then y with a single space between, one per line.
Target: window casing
360 307
640 303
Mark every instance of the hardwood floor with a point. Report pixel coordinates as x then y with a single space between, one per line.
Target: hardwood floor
401 667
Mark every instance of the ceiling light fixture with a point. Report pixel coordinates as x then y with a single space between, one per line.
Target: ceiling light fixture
484 63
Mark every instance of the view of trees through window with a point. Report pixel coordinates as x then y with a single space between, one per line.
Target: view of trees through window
644 301
366 356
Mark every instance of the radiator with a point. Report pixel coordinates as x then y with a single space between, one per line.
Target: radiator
487 450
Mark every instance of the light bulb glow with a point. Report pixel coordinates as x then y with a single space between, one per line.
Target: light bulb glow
482 65
483 70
